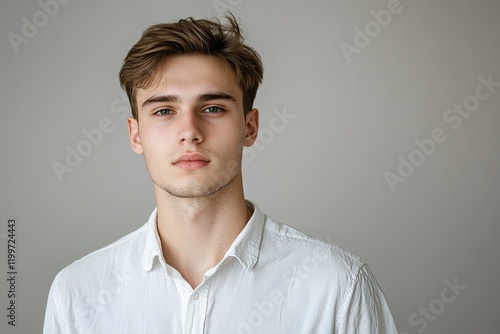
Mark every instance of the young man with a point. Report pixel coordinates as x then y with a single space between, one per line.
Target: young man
207 260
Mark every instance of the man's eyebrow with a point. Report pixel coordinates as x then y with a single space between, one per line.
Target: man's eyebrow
161 98
215 96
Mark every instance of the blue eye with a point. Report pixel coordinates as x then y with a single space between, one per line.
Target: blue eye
212 109
163 112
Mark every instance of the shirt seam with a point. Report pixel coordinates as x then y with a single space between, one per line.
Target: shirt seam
348 296
318 242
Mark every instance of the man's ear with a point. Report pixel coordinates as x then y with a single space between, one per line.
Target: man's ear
133 134
252 127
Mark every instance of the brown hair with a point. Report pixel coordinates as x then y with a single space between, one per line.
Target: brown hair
190 36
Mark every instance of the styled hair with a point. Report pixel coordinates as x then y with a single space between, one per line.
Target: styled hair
146 58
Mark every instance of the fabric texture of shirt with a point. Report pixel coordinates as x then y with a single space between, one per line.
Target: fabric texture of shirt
273 279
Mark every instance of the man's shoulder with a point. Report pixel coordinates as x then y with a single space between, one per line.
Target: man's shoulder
285 240
120 254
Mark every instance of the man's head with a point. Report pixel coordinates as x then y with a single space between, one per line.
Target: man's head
191 86
144 61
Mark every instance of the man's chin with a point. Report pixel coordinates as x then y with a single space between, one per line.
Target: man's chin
193 194
198 190
193 191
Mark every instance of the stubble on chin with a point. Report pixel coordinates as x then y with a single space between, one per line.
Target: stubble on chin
215 186
197 190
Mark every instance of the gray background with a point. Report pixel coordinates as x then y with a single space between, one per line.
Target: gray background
321 172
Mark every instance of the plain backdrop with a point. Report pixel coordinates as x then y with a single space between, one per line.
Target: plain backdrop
360 92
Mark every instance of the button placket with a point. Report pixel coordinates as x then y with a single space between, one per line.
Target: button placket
197 309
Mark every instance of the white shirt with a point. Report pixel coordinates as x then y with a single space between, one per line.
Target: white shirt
273 279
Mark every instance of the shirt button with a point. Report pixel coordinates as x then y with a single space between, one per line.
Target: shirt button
196 296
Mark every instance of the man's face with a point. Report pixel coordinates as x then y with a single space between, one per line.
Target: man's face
191 127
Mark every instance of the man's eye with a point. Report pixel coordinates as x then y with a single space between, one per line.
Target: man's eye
212 109
163 112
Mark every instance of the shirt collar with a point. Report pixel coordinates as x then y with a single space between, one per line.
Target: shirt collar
152 247
245 247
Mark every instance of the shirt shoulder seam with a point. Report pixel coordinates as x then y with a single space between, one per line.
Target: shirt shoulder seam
348 294
304 237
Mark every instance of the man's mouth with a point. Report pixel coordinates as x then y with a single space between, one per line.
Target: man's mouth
191 160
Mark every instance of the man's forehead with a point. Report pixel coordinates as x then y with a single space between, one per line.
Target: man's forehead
193 65
190 76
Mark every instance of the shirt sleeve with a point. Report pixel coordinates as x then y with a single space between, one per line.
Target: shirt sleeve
365 309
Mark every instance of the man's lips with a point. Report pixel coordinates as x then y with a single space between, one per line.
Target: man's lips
191 160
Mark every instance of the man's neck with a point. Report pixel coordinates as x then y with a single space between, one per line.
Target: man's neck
196 233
